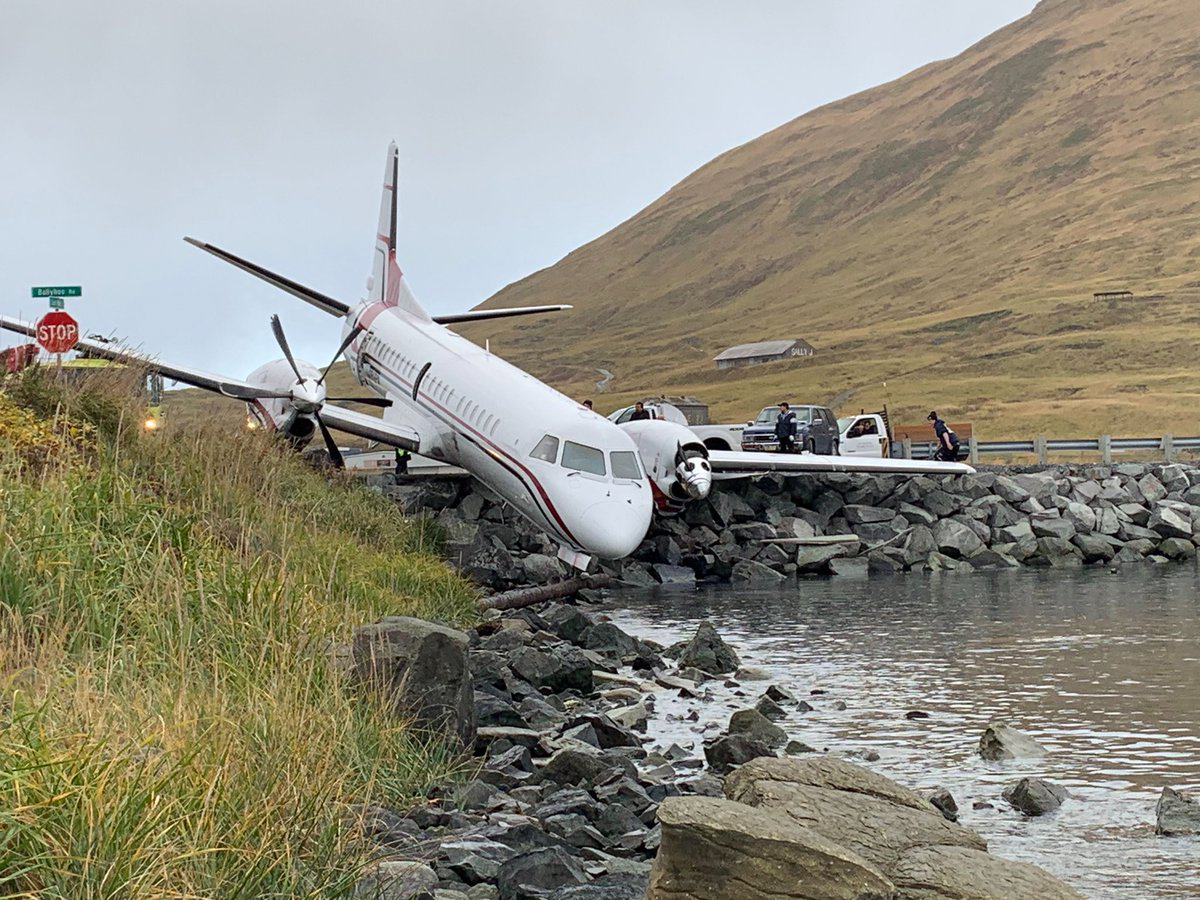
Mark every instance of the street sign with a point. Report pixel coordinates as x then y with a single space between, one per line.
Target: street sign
57 332
58 303
68 291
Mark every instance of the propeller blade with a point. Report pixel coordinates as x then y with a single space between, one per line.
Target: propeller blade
354 332
366 401
335 455
240 392
277 327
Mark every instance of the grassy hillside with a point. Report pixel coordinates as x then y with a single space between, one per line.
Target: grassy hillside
171 724
943 233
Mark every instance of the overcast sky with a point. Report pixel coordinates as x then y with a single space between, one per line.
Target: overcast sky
526 128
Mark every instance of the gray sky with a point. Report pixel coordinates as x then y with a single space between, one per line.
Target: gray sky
526 128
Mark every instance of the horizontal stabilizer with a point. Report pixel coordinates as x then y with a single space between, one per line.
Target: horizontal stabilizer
731 463
479 315
323 302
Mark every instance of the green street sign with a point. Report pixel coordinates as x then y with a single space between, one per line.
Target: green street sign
57 303
69 291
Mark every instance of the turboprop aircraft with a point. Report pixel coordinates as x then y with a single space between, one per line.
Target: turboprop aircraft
590 484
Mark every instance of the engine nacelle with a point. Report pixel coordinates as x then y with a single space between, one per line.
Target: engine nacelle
675 460
290 416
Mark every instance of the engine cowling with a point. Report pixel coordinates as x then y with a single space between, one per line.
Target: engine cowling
290 416
675 460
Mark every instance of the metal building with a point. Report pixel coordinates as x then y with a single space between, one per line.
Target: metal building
762 352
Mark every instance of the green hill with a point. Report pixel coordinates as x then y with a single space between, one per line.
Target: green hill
943 233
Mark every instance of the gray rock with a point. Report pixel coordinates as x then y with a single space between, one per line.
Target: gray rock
421 670
1081 517
1152 489
754 725
475 859
944 802
752 571
538 873
939 873
560 669
399 879
622 886
993 559
1169 523
732 750
770 709
1177 813
1094 547
816 558
714 848
1177 548
541 569
707 652
826 772
1034 797
674 575
858 567
859 515
999 741
1010 490
915 515
1051 526
955 539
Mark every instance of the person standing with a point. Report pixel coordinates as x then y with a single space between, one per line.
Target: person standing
639 412
785 429
947 450
401 465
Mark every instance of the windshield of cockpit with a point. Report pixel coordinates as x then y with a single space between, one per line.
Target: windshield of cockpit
622 464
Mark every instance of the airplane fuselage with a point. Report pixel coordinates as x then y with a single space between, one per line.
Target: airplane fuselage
568 470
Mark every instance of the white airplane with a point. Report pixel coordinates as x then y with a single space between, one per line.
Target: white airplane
574 474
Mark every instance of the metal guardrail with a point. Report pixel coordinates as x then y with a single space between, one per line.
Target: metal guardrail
1042 447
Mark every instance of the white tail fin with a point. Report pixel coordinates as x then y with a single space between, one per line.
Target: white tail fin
387 283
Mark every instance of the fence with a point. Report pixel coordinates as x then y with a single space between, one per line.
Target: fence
1042 447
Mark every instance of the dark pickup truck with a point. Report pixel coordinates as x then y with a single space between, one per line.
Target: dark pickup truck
816 430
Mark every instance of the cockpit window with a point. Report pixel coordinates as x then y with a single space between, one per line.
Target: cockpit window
625 465
547 449
584 459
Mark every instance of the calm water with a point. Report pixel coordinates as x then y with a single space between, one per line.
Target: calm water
1103 669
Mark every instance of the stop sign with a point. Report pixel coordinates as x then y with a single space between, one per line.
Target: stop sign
57 332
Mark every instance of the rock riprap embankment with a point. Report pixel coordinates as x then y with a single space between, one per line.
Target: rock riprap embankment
569 797
773 528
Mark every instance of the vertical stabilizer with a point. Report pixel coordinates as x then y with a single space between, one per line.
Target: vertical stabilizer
387 283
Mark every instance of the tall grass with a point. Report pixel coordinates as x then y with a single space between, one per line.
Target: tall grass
172 721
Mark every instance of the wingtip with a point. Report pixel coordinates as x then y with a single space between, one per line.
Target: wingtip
194 242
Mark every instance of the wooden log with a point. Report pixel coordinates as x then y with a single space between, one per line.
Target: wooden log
559 590
814 541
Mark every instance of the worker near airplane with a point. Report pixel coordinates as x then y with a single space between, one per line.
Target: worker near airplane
947 440
785 428
640 412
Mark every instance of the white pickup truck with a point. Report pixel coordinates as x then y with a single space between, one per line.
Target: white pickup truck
866 434
714 437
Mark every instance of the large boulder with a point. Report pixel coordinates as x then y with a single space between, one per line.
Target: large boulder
749 570
1169 523
559 668
756 726
1177 813
421 670
816 557
715 849
732 750
999 742
961 873
1046 525
1035 797
955 539
877 829
824 772
707 652
539 873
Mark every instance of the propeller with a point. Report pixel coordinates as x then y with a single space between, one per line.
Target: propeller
315 389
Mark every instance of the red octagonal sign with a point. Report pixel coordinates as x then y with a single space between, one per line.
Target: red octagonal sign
57 332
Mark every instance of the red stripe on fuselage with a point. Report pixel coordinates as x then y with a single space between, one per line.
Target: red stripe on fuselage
468 427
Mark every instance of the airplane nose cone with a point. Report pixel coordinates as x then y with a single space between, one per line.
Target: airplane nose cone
612 529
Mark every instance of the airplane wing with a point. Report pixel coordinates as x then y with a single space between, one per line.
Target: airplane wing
371 428
480 315
734 464
220 384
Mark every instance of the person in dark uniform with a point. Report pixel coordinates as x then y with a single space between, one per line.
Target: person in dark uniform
639 412
401 465
947 450
785 429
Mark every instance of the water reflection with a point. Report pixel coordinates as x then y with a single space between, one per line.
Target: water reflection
1103 669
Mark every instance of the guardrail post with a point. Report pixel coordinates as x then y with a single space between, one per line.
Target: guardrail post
1039 447
906 448
1169 447
1106 449
973 447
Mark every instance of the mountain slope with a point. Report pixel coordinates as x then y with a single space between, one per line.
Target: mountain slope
943 233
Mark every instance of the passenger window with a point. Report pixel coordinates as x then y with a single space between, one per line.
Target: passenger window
582 458
625 465
546 449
